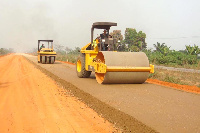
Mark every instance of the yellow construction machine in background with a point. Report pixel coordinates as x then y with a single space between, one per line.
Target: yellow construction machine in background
46 55
100 56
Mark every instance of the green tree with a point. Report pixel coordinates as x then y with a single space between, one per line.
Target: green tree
4 51
162 48
67 49
134 39
116 34
193 50
59 48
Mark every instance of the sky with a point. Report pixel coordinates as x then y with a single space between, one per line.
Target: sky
68 22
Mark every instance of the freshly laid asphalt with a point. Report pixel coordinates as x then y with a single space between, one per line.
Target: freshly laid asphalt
161 108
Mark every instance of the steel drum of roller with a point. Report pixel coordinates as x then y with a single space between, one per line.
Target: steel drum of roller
122 59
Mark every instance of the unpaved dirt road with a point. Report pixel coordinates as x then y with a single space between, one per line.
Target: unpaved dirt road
32 102
161 108
178 69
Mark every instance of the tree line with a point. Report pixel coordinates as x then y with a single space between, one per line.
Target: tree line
4 51
66 53
163 55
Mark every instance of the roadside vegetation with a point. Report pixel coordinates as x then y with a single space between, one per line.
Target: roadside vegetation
66 53
4 51
188 58
183 78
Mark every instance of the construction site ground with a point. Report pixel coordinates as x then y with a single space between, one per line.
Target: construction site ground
131 107
32 102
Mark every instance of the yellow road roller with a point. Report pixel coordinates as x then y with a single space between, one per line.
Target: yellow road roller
111 67
46 54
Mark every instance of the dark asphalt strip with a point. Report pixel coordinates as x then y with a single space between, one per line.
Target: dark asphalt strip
121 120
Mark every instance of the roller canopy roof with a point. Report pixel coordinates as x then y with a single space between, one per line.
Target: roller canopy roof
103 25
45 40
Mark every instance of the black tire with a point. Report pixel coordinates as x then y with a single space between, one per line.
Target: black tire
80 67
52 60
40 59
43 60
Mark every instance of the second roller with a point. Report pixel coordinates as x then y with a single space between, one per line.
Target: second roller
100 56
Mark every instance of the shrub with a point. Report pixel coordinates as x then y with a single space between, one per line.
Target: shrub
172 58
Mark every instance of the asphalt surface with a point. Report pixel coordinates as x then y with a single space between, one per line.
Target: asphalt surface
161 108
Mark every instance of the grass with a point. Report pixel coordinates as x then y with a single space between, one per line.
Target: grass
183 78
67 57
187 66
198 85
170 79
194 66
